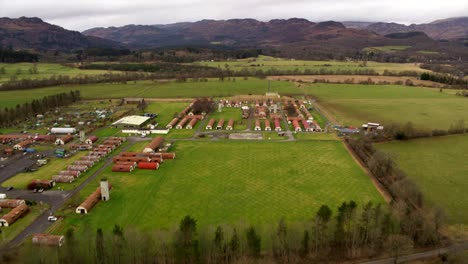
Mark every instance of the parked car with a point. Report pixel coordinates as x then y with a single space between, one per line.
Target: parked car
9 188
41 190
51 218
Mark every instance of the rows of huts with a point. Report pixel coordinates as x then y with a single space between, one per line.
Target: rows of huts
18 210
220 125
185 119
268 125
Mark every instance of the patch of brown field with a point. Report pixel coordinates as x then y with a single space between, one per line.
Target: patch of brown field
354 79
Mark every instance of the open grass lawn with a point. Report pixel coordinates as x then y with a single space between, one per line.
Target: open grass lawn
10 232
266 63
44 70
166 111
21 180
357 104
149 89
439 166
386 48
229 182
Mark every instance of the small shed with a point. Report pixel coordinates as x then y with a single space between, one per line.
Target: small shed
230 124
122 168
257 125
182 123
267 125
64 140
91 140
172 123
210 124
48 240
220 124
15 214
80 168
11 203
154 145
296 125
75 174
63 178
192 123
23 144
306 125
277 125
148 165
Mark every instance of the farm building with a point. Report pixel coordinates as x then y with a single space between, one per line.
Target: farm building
306 125
168 155
63 130
63 178
101 193
131 159
10 138
316 127
47 138
348 131
154 145
98 153
127 163
133 121
182 123
186 110
210 124
41 184
10 203
75 174
23 144
48 240
91 140
133 100
111 142
80 168
93 158
267 125
296 125
88 163
230 124
277 125
15 214
372 127
220 124
63 140
122 168
257 125
81 146
148 165
245 112
172 123
192 123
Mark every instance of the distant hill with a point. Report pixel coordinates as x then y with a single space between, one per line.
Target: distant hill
449 29
233 32
35 34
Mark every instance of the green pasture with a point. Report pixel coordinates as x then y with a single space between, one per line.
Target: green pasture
228 182
439 166
357 104
386 48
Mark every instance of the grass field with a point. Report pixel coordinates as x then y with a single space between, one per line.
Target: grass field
386 48
166 111
266 63
229 182
439 166
44 70
357 104
149 89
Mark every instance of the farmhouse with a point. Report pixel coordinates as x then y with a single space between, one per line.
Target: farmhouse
133 121
257 125
182 123
48 240
210 124
192 123
63 130
267 125
63 140
172 123
91 140
277 125
230 124
220 124
154 145
23 144
14 215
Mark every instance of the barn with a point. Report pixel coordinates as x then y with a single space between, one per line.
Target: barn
64 140
192 123
15 214
210 124
296 125
172 123
23 144
63 178
257 125
267 125
220 124
91 140
230 124
277 125
182 123
148 165
48 240
133 121
154 145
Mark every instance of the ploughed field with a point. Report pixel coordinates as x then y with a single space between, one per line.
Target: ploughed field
439 166
228 182
354 104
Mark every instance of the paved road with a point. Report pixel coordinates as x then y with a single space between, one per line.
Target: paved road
56 199
18 163
422 255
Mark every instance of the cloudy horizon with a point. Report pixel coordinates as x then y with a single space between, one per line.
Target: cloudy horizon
87 14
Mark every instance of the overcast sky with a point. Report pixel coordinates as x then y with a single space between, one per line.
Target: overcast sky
84 14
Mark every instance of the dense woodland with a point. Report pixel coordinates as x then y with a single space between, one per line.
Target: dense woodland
13 56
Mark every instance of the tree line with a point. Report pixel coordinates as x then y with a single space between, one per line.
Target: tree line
13 115
443 78
13 56
350 232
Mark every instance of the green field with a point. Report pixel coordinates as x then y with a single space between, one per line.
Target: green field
149 89
229 182
358 104
386 48
44 70
166 111
439 166
267 63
